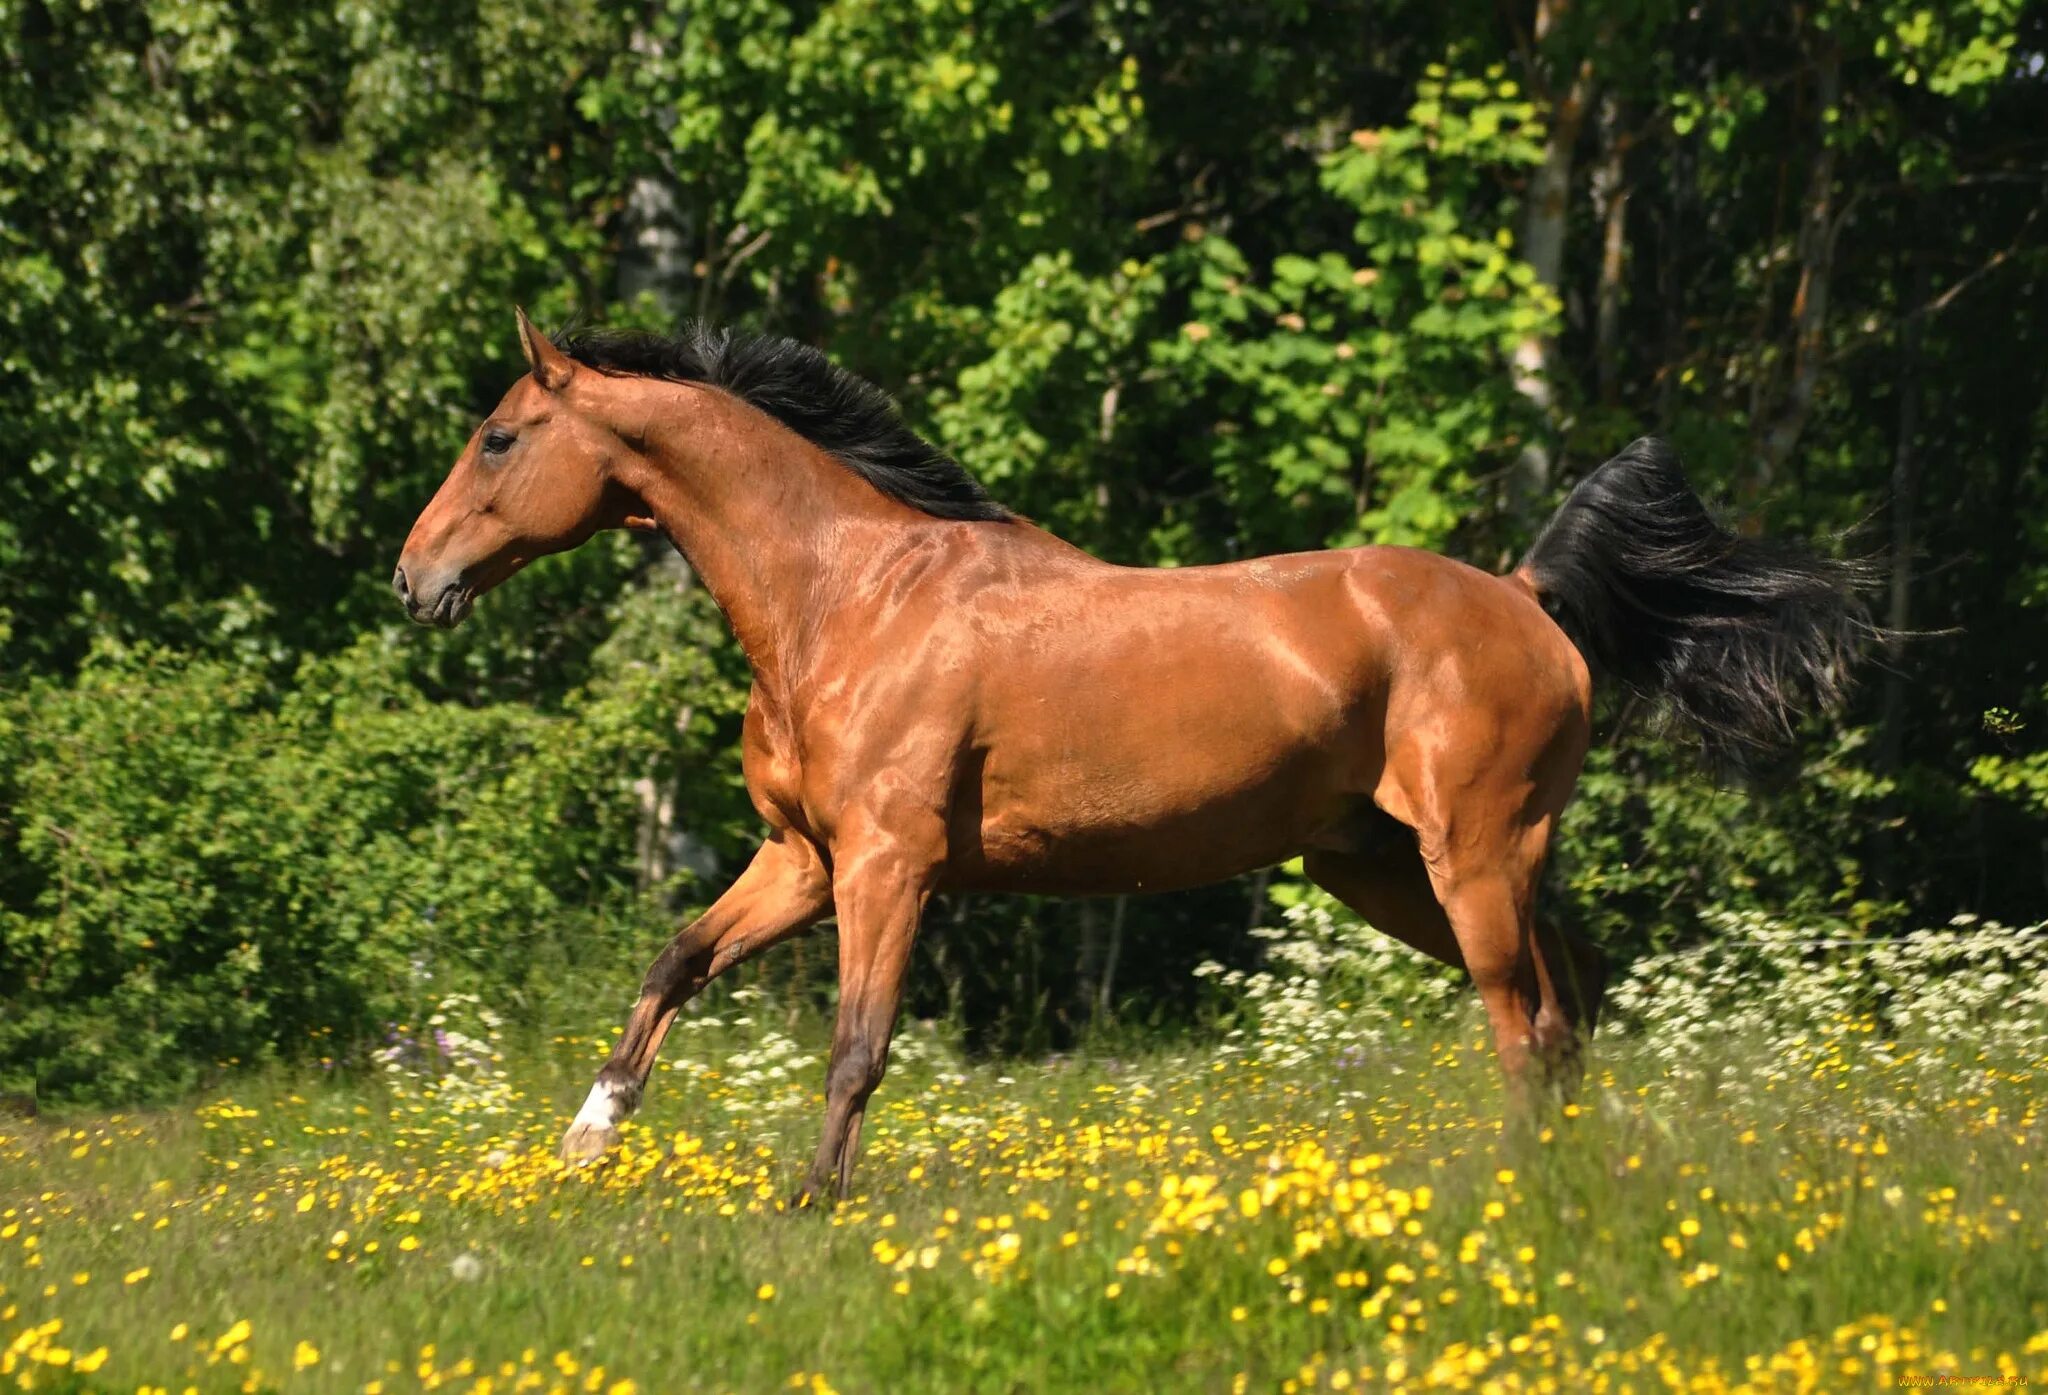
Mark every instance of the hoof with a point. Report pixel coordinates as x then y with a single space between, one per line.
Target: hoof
584 1144
811 1197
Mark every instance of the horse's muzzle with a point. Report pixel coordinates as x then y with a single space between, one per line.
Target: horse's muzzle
444 607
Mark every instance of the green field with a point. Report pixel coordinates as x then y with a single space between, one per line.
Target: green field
1811 1211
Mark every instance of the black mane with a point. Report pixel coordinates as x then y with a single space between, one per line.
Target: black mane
845 415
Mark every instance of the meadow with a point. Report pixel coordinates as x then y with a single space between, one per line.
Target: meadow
1790 1169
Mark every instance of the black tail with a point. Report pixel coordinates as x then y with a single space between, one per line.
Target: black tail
1737 635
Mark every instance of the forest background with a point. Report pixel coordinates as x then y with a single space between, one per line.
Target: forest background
1181 281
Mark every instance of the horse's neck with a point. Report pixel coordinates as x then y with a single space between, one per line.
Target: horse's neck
772 525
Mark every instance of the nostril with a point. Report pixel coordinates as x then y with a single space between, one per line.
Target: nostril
399 585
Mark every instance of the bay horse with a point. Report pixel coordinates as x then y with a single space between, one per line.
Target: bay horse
947 698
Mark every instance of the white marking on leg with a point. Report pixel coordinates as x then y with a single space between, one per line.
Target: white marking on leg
602 1108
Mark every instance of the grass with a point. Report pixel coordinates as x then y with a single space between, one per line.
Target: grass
1840 1214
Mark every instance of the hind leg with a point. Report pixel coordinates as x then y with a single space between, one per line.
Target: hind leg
1475 928
1539 988
1388 885
1466 897
1540 991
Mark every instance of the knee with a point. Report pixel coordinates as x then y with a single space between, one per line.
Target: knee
676 967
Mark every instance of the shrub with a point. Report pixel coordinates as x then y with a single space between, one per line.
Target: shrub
1812 993
203 870
1648 841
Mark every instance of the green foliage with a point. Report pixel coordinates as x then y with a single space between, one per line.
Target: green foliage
1360 391
1648 847
255 261
203 873
1039 419
2021 776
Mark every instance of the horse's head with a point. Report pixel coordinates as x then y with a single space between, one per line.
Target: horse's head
537 477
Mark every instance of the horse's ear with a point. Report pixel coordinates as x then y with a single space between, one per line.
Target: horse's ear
551 367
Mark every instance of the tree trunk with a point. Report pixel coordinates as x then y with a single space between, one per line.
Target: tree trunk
1905 488
1675 223
1088 963
1533 365
653 257
1106 987
1610 199
1817 230
1255 911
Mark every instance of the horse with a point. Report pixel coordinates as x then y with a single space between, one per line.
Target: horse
947 698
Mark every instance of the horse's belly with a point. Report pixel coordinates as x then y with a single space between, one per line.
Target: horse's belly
1128 825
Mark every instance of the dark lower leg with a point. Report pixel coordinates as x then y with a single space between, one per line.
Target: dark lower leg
781 892
1571 979
881 901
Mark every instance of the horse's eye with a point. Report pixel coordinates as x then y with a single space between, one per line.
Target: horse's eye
497 442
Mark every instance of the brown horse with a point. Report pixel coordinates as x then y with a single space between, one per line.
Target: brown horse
948 698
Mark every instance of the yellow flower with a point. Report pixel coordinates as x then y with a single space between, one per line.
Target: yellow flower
305 1354
765 1292
234 1336
91 1361
135 1276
